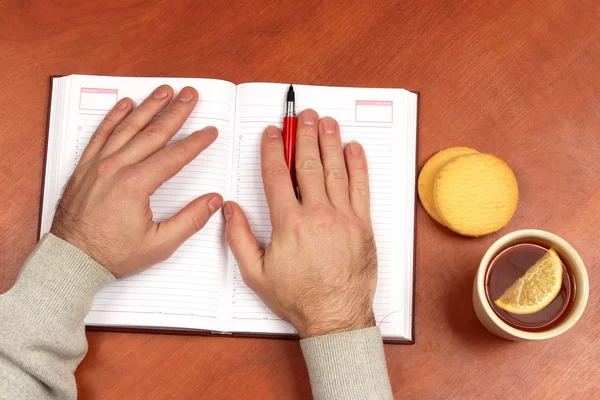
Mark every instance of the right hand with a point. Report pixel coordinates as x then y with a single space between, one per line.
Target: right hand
320 270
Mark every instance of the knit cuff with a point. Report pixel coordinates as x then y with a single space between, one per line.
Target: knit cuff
347 365
59 282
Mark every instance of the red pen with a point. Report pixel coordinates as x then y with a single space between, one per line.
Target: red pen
289 136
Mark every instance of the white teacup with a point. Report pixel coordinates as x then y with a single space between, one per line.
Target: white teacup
497 326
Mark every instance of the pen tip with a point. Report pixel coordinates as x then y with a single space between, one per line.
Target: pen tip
290 94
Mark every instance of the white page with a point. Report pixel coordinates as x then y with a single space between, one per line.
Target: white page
185 291
384 122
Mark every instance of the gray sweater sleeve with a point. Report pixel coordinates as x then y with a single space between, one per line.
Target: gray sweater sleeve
42 337
347 365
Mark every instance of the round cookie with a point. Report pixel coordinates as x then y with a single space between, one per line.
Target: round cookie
429 172
476 194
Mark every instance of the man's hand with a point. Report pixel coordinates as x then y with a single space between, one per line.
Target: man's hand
320 270
105 210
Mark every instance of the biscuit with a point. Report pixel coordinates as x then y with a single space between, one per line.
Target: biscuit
428 173
476 194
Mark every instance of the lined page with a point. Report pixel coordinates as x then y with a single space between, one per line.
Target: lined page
185 291
384 122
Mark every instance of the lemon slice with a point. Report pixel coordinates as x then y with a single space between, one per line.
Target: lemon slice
536 289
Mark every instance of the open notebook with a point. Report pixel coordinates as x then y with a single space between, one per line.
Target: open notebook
199 287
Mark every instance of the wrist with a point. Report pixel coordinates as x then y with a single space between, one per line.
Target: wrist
63 229
323 327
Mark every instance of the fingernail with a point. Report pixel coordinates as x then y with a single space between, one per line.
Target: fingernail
185 95
308 117
227 211
160 93
273 131
214 204
355 148
329 125
122 104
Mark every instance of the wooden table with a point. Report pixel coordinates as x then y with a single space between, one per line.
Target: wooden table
516 78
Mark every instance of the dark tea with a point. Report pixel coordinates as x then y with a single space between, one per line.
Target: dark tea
512 263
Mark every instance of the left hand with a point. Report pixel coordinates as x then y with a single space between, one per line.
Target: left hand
105 210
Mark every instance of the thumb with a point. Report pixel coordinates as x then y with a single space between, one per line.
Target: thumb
243 244
189 220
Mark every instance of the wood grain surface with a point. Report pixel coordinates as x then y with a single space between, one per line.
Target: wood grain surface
516 78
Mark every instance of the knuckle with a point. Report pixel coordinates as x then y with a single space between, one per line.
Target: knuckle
332 148
273 146
297 232
75 179
98 138
146 106
357 164
198 220
129 178
310 165
323 217
125 127
275 171
176 109
106 167
109 118
154 130
308 134
293 219
178 152
336 172
360 189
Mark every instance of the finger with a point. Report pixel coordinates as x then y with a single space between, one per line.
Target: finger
156 135
188 221
114 117
166 163
309 170
334 166
276 176
358 180
137 120
243 244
